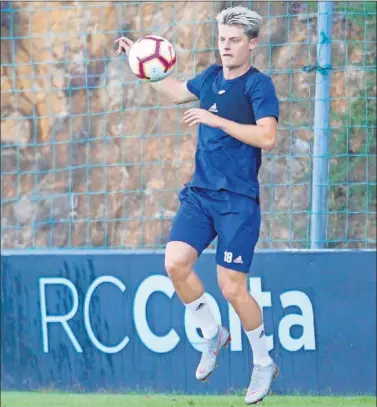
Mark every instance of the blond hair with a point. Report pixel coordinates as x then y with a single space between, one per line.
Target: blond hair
249 20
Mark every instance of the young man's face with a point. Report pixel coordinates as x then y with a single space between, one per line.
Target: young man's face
234 46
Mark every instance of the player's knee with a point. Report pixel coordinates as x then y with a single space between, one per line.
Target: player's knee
230 291
177 266
179 259
233 287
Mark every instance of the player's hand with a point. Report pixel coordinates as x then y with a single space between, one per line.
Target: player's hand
124 45
197 116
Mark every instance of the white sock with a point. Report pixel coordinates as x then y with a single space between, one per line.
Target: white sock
258 342
204 317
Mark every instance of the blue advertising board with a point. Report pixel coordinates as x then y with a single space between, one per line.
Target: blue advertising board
110 320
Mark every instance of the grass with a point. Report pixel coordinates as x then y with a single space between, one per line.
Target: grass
12 399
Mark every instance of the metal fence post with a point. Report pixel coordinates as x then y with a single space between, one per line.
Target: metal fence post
321 127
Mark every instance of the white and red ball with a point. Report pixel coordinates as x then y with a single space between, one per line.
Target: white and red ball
152 58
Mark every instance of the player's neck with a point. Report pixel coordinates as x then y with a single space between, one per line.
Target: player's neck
232 73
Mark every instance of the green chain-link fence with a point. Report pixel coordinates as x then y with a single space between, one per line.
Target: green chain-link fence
91 157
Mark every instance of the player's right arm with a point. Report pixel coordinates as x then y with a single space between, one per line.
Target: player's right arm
173 89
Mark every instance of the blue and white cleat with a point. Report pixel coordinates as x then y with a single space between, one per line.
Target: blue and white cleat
261 381
211 350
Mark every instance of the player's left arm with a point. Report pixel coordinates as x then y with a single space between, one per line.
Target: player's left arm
262 135
261 93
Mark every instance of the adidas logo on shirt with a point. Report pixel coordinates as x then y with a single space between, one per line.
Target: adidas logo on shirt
238 260
213 109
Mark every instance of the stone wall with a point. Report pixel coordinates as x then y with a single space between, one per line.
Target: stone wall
92 157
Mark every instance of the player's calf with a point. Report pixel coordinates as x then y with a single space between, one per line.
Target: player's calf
179 260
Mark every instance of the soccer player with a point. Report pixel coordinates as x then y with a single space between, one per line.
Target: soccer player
237 119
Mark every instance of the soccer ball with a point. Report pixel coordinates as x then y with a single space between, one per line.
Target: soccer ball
152 58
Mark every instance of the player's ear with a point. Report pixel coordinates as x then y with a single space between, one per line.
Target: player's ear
253 43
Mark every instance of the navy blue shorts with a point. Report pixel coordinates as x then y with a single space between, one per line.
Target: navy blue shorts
234 218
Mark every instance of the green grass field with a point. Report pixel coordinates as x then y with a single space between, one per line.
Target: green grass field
10 399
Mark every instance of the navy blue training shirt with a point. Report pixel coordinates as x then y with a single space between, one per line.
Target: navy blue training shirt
222 161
